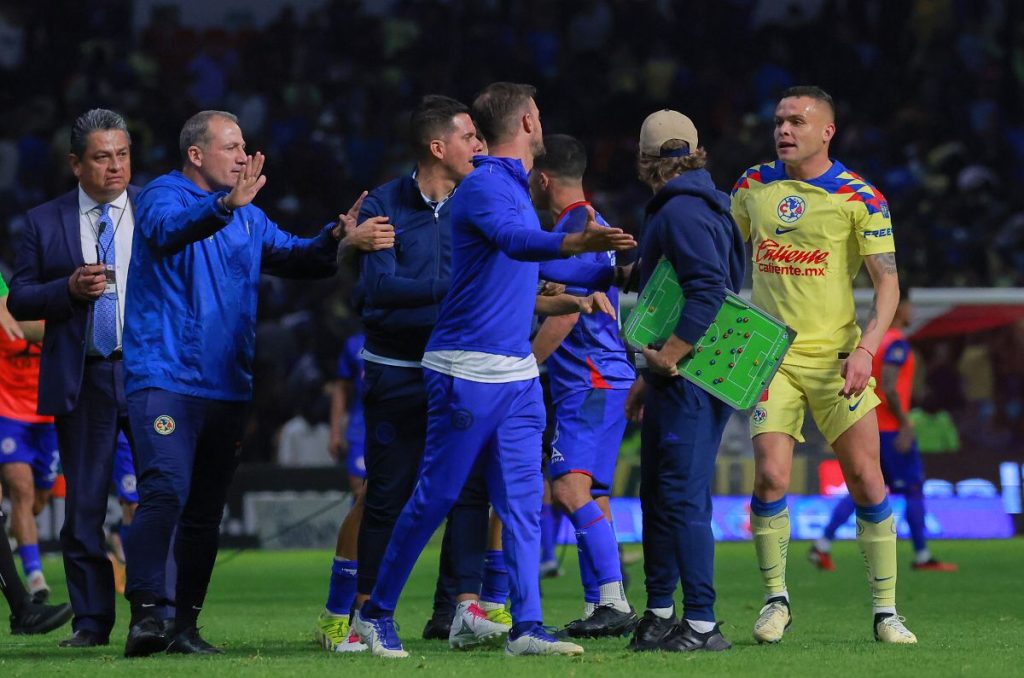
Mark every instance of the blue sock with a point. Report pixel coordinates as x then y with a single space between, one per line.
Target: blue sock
767 509
29 554
495 588
342 591
547 533
840 514
520 628
915 518
588 575
594 535
876 513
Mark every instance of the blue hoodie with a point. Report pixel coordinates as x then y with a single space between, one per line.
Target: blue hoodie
689 223
190 310
496 242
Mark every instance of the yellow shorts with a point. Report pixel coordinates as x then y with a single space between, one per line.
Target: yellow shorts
795 388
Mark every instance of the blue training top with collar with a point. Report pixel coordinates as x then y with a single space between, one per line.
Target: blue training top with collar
190 309
401 287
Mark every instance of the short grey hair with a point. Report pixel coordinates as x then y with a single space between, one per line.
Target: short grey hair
196 130
96 120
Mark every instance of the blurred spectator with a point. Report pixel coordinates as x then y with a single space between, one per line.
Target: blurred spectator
326 90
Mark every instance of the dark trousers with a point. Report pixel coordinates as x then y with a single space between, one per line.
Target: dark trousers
187 450
395 409
87 439
681 432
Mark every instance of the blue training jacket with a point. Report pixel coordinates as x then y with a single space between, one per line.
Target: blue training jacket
689 224
403 285
496 244
190 310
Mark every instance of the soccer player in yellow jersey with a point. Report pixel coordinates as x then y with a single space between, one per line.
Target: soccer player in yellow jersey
811 223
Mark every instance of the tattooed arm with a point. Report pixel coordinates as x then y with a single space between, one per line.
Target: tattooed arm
857 368
882 269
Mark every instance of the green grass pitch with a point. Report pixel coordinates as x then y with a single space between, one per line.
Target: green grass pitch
262 606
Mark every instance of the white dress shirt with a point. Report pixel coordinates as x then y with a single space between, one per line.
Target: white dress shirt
124 228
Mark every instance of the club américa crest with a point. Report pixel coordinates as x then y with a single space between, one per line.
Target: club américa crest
791 208
164 425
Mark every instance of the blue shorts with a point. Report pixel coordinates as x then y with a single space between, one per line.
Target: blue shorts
588 432
124 472
356 461
902 471
32 444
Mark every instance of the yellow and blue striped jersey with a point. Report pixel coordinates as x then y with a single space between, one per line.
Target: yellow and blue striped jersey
809 239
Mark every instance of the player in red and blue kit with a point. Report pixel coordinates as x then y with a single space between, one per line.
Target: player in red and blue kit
590 376
893 371
350 377
28 447
27 616
484 397
332 630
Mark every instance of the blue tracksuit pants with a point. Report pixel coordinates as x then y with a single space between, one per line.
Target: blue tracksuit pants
467 419
681 432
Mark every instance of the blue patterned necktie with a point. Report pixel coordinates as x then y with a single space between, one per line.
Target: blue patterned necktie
104 313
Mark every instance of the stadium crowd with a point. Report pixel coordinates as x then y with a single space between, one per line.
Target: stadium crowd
331 127
328 111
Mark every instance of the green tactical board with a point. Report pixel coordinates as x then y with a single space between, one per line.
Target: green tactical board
735 359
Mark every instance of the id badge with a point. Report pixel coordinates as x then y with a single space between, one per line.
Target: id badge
108 273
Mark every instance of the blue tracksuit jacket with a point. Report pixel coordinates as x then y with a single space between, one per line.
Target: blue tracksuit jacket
190 310
496 242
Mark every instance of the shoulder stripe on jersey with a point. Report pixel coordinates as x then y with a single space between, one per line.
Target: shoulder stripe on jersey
760 174
853 185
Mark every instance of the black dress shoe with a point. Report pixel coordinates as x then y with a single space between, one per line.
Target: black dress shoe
438 627
82 638
605 621
189 641
649 632
683 638
145 637
35 618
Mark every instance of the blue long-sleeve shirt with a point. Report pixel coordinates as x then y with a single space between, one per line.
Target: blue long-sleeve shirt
690 225
190 310
496 242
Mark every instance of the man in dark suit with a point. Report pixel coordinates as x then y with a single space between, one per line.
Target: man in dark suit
71 272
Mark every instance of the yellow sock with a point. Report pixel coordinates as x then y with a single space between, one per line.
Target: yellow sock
877 542
771 541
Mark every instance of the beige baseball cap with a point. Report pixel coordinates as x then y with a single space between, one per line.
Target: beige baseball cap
665 125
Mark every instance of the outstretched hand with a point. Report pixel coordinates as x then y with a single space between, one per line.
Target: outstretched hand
248 183
597 238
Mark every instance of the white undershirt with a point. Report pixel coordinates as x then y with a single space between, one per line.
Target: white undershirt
488 368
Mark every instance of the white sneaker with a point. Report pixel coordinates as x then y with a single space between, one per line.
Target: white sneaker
380 635
471 626
890 629
351 644
773 621
537 642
